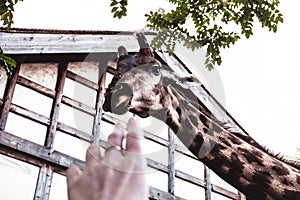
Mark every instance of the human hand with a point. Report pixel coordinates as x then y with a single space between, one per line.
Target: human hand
118 174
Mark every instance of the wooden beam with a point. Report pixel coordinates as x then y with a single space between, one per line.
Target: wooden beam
171 162
224 192
82 80
43 185
34 153
98 106
207 180
51 130
36 87
8 95
161 195
37 43
38 155
51 94
78 105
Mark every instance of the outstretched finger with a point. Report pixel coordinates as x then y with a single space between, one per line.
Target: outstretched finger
116 137
134 136
93 155
73 173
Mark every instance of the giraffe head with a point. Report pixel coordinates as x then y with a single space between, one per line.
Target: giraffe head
135 88
142 85
148 88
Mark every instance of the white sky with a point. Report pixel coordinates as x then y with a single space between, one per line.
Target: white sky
259 75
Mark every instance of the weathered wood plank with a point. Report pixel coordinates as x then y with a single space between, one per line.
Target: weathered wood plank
28 114
78 105
8 95
36 87
224 192
171 162
74 132
208 185
99 111
50 93
189 178
161 195
43 185
17 43
82 80
38 155
51 129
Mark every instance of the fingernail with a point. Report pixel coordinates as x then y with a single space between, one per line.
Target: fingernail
133 120
133 128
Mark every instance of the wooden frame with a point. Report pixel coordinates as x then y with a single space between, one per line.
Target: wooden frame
44 156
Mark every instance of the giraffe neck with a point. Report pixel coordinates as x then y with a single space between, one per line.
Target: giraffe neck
252 171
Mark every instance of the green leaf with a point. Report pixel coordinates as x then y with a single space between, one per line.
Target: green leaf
113 3
7 63
114 9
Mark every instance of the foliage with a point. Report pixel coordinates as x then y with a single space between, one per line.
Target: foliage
8 63
119 8
6 12
209 17
6 16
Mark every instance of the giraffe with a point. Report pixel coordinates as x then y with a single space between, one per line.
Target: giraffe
145 87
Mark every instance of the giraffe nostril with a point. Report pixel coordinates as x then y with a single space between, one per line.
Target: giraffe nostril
155 91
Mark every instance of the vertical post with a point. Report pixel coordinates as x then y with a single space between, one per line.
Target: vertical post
51 131
207 182
171 164
43 185
99 104
8 95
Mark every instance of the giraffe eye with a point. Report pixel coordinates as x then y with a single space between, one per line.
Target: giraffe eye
155 70
117 87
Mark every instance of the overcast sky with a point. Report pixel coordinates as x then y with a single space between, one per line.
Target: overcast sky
260 75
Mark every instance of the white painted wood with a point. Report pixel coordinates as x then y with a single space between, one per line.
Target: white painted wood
22 42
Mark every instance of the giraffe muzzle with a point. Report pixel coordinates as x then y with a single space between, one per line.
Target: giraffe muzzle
118 99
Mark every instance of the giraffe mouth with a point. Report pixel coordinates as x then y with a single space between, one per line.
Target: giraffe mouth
118 105
117 100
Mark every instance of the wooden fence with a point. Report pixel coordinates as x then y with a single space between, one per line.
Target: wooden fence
51 161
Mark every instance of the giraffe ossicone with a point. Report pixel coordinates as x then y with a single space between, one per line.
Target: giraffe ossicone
145 87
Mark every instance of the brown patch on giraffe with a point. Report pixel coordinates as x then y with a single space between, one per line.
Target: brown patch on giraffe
178 110
224 141
172 124
205 130
235 140
287 183
253 156
204 120
257 191
280 169
298 179
196 144
291 195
